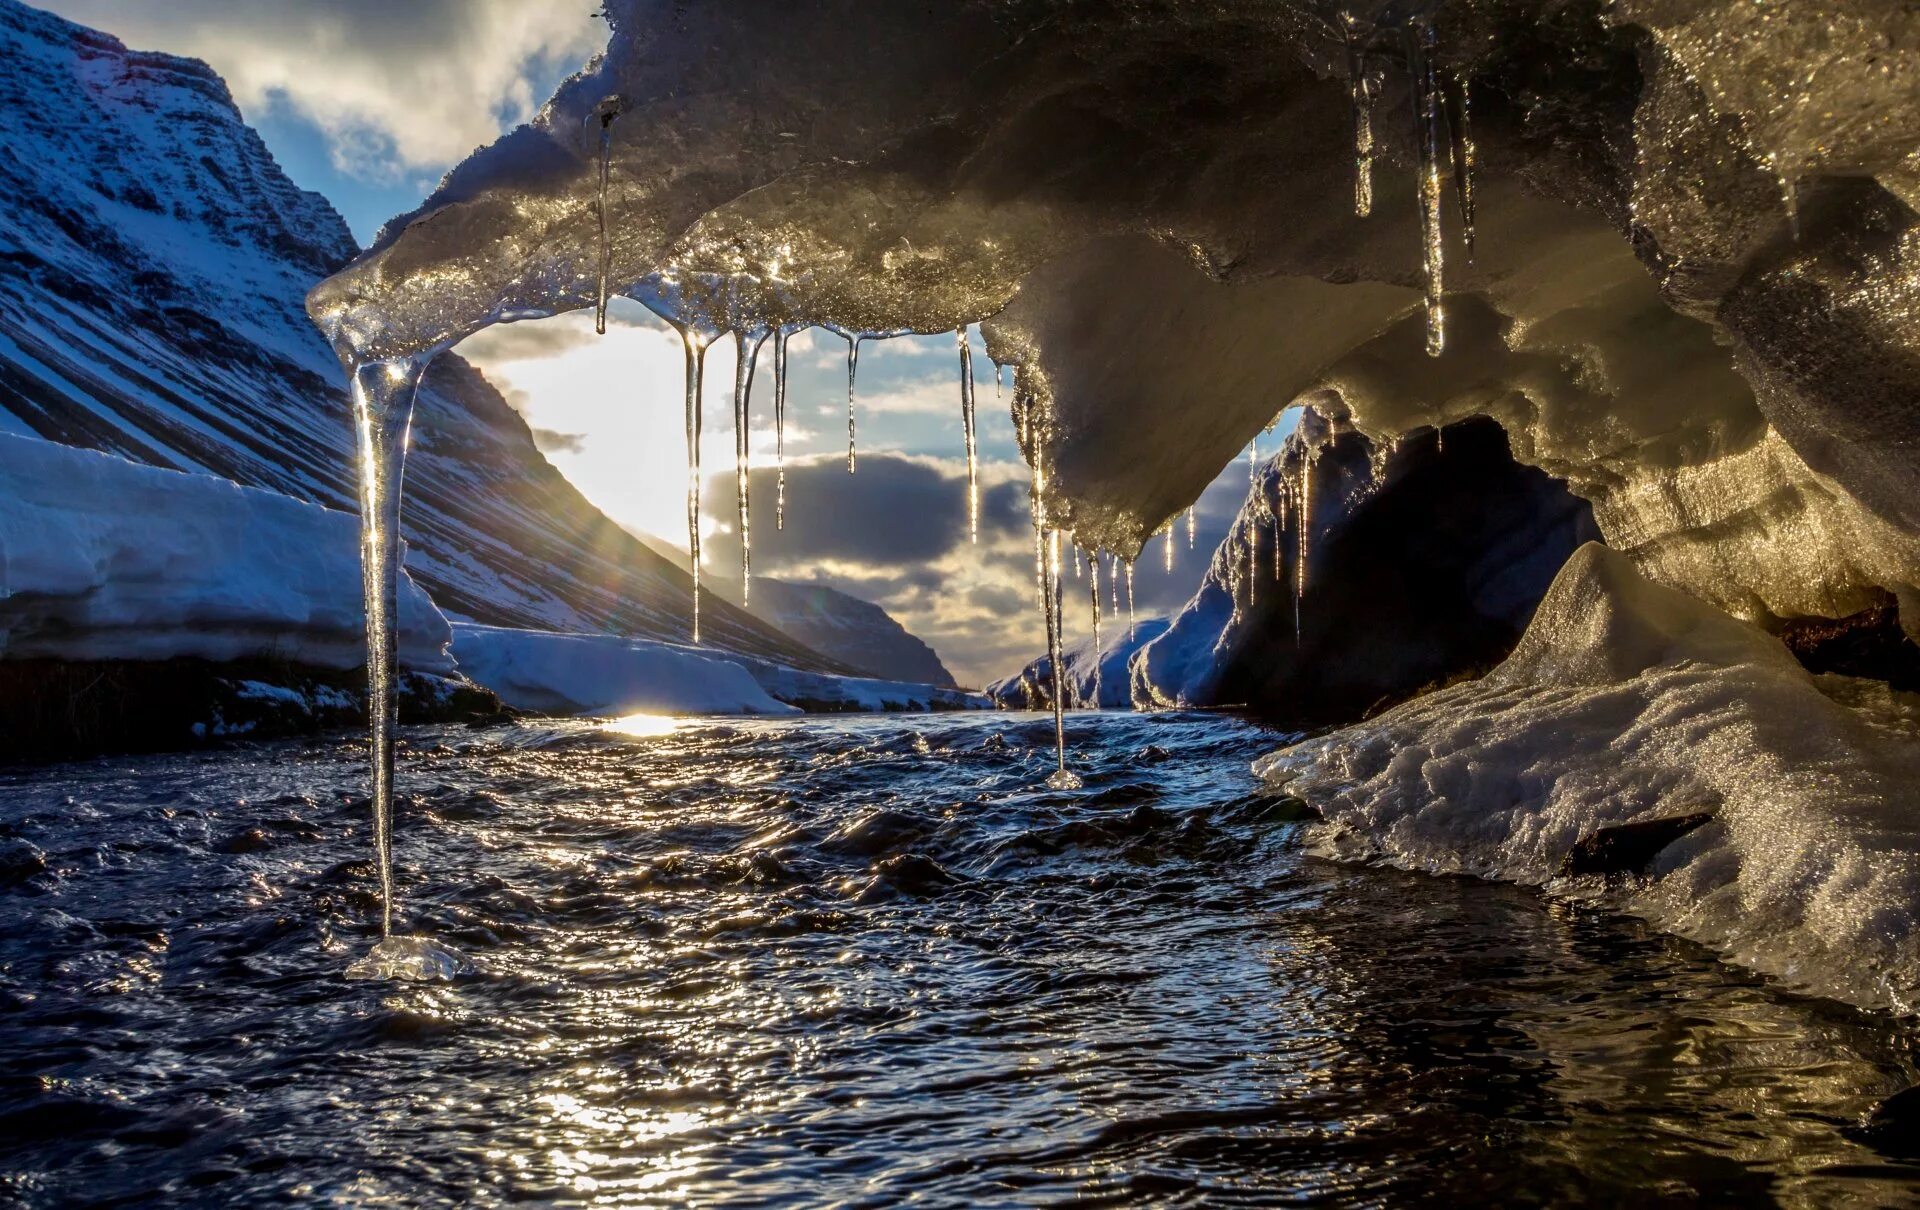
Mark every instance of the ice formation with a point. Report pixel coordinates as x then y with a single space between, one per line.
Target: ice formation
1691 274
1627 701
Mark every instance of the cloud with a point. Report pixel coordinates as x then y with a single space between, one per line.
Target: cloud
551 442
393 86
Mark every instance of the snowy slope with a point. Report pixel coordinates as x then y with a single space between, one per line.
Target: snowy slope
858 633
1107 687
153 259
104 559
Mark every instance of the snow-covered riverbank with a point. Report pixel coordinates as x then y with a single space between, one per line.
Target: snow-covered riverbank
1628 701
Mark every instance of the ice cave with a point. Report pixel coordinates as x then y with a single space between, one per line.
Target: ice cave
1560 656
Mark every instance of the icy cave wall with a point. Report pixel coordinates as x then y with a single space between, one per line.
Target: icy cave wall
1357 575
1672 253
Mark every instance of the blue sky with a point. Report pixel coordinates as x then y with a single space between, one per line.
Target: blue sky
369 102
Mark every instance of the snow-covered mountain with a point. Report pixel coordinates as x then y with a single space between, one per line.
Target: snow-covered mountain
153 261
858 633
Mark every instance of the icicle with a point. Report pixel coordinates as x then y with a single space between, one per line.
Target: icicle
997 385
606 239
1253 460
1192 525
853 373
1360 92
1169 545
1076 560
966 420
1428 119
1129 600
1093 583
1113 582
743 366
1300 550
1046 568
1253 556
695 347
383 394
780 427
1460 124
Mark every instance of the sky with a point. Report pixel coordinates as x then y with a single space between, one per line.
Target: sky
370 102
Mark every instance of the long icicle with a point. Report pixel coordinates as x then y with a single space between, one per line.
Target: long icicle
1063 778
1360 93
606 239
1460 128
1428 119
696 351
1093 583
1129 600
780 428
1301 549
853 373
383 395
745 358
1192 526
967 421
1113 582
1170 529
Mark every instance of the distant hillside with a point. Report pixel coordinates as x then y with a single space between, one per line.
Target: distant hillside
155 259
858 633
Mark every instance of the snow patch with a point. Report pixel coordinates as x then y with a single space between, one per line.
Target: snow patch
1628 701
104 559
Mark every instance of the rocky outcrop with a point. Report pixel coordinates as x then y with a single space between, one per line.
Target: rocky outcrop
64 709
1356 576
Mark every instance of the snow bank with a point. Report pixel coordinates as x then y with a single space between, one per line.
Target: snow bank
103 559
1628 701
605 674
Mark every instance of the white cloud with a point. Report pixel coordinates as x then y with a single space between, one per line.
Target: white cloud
393 86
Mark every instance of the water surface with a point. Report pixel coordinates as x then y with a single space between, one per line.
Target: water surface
858 962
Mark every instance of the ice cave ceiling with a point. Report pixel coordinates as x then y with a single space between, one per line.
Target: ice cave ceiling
1692 290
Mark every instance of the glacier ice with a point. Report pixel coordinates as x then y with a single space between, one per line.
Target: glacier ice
1627 700
1691 288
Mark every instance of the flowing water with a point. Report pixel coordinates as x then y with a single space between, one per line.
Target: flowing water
857 963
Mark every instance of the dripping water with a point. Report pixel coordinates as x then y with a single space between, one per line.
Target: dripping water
1130 626
1113 582
1192 526
967 422
1063 778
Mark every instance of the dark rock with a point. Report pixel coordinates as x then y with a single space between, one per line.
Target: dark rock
1893 1128
1423 567
20 861
1152 754
59 710
913 874
1869 644
253 840
1629 848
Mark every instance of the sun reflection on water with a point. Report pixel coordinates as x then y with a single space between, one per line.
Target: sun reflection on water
644 726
